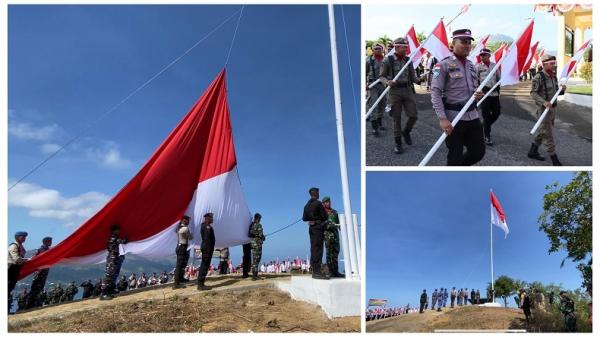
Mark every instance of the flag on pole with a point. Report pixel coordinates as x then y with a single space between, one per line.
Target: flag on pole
571 65
413 44
532 53
437 42
497 55
516 57
474 56
498 216
374 302
537 57
465 9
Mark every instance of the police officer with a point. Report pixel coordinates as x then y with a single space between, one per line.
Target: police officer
39 278
183 255
207 247
258 237
423 301
332 238
16 258
315 215
543 86
373 67
454 82
434 297
567 308
490 107
452 297
440 299
113 260
402 92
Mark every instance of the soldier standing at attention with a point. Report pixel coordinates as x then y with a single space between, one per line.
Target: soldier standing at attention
207 247
183 254
112 262
543 86
423 301
454 82
434 297
258 237
490 107
373 67
402 92
39 278
332 238
315 215
452 297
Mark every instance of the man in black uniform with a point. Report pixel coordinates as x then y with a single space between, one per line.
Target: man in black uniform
423 301
246 258
207 247
315 215
39 279
88 289
113 262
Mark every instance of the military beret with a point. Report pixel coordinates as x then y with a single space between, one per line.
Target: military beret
47 238
208 215
312 190
462 33
20 234
326 199
185 217
485 51
257 216
115 227
547 58
400 41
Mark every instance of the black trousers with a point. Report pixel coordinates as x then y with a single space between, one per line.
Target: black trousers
183 256
206 256
467 134
316 232
247 258
490 111
422 307
13 277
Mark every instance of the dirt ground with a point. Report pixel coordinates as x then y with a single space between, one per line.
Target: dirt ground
235 308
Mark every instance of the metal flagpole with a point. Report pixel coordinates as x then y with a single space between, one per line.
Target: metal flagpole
488 93
339 119
492 248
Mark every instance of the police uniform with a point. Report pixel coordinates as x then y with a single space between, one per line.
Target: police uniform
257 238
401 96
207 248
332 240
39 278
183 254
113 262
454 82
434 297
314 213
373 67
16 258
423 301
490 107
543 86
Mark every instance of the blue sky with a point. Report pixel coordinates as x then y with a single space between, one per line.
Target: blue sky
482 19
432 229
69 64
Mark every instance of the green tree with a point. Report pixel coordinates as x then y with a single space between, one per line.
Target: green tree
504 287
567 221
421 37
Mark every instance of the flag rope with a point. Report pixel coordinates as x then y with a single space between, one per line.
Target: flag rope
116 106
355 104
234 34
285 227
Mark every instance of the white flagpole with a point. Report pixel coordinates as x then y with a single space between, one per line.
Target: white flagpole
488 93
492 248
339 119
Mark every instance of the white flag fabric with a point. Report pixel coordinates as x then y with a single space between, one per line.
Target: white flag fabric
498 216
516 57
474 55
571 65
437 42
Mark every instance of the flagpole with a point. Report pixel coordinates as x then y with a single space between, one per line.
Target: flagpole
339 121
488 93
492 249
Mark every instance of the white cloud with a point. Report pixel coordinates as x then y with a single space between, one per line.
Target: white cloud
109 156
27 131
49 148
50 204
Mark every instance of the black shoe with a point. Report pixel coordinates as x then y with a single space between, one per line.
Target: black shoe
375 125
406 135
106 298
555 161
245 276
488 141
340 275
380 124
320 277
534 154
398 148
178 286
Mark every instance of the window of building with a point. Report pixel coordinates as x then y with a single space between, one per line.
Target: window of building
569 42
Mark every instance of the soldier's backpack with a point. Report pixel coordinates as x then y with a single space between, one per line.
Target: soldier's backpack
546 89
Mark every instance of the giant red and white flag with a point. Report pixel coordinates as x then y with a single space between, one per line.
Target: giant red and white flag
515 58
191 173
474 55
437 42
530 57
413 44
497 55
570 67
498 216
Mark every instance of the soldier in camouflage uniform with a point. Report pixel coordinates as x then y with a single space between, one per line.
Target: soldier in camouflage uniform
39 279
543 86
71 291
332 238
113 260
57 293
257 237
567 307
373 67
401 96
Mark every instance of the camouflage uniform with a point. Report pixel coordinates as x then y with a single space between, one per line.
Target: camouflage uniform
567 307
113 264
38 282
256 233
71 291
373 67
57 294
332 241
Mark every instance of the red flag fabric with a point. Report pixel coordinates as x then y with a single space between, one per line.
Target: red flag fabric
474 56
516 57
532 52
413 44
437 42
570 67
498 216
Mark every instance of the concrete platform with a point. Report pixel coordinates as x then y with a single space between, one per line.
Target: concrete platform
491 305
337 297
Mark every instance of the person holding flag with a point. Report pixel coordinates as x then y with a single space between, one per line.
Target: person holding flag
490 108
373 67
543 86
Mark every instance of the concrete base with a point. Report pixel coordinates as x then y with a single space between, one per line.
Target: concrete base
337 297
491 304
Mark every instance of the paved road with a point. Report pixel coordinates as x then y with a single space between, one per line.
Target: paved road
572 134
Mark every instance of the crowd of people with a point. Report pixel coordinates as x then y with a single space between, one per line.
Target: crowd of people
441 298
534 303
373 314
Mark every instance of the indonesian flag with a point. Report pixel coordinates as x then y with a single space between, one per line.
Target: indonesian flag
474 56
192 172
532 52
516 57
498 216
497 55
537 57
413 44
437 42
572 64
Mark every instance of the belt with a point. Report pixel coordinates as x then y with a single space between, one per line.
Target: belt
459 106
401 85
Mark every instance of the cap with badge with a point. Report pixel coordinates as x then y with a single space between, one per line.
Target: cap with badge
485 51
20 234
462 34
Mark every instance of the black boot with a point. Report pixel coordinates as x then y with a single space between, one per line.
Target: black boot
555 161
380 124
534 154
398 149
255 276
406 135
375 126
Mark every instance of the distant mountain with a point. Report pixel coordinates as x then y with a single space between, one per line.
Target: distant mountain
500 38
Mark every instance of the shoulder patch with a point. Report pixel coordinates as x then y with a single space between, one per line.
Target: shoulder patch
437 69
